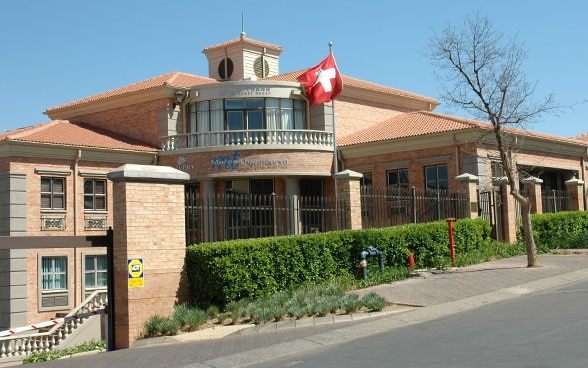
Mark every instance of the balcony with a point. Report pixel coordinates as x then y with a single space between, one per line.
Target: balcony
259 138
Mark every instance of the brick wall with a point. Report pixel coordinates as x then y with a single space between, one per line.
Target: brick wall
137 121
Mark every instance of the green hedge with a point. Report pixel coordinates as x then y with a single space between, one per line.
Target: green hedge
224 272
562 230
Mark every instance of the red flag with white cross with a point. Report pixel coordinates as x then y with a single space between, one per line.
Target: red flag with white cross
323 82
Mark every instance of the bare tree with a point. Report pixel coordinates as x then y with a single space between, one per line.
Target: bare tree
480 70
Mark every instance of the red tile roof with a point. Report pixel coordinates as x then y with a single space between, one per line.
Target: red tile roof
407 125
425 122
244 39
349 81
62 132
176 79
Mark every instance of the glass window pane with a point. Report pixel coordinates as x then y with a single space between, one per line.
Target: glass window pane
100 203
57 185
89 280
45 185
88 202
272 102
299 105
101 279
45 201
256 103
216 104
234 120
254 120
60 264
403 177
89 263
234 104
88 186
442 172
58 202
101 262
100 187
202 106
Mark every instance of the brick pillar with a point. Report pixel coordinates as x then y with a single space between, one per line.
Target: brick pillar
348 189
576 189
509 224
149 233
533 187
468 184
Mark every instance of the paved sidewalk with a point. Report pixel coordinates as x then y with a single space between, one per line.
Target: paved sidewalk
434 295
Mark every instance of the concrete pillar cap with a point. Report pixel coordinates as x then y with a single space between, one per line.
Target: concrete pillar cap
467 177
532 180
348 174
148 173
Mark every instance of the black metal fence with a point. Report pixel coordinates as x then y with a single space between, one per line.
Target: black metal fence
240 216
555 200
393 206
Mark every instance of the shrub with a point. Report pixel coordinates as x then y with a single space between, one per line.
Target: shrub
189 319
562 230
56 354
374 302
158 325
224 272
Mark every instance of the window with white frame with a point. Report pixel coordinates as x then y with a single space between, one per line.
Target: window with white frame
95 271
52 193
94 195
53 288
53 273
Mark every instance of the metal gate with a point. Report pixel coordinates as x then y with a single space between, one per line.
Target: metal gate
490 209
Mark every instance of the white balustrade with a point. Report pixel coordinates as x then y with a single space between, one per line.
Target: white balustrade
313 138
23 345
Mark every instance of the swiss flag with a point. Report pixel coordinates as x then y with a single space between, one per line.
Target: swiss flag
323 82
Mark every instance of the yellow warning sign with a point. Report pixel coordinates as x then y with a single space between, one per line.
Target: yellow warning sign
135 272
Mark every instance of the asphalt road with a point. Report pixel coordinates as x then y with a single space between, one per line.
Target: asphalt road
546 329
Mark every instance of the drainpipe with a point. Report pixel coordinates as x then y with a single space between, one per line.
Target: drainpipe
262 62
75 214
75 198
456 155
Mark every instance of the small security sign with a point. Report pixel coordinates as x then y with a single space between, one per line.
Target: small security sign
135 272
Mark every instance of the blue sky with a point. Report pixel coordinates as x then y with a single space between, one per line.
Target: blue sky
53 52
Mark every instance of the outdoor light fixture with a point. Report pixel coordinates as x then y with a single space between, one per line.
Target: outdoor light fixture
179 96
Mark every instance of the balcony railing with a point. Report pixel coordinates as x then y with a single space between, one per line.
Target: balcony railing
260 137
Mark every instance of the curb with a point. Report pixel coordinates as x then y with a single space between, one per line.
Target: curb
387 322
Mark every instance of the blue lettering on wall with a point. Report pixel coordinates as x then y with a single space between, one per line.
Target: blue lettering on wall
226 162
233 162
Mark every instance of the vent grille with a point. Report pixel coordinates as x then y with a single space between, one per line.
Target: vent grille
96 223
53 222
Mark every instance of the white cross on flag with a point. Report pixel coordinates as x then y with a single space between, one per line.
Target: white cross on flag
323 82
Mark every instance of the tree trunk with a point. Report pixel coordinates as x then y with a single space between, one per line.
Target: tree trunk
529 238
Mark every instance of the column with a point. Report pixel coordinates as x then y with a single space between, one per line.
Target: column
533 187
13 262
148 246
209 214
348 188
509 224
468 184
576 189
293 206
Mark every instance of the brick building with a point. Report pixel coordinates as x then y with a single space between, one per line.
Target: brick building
245 129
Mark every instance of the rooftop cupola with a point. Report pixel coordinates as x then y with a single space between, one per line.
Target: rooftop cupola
242 58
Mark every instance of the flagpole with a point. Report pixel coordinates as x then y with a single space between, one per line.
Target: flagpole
335 161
